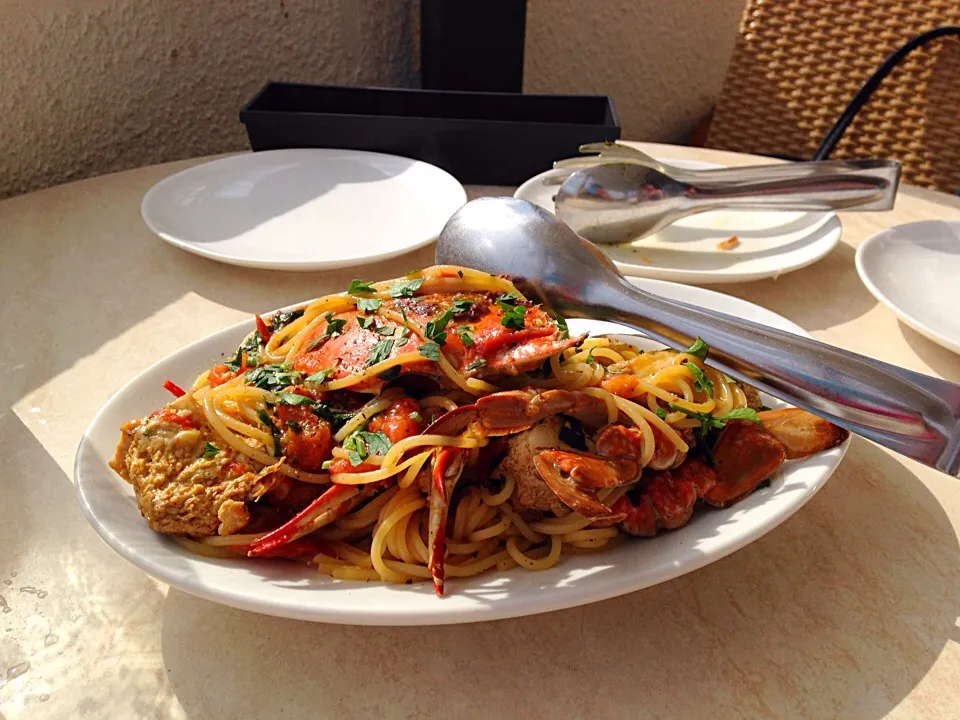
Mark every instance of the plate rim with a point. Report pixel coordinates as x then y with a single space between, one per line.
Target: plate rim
288 265
529 603
876 239
832 227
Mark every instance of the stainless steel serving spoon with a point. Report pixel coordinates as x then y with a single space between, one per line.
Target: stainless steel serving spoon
617 202
913 414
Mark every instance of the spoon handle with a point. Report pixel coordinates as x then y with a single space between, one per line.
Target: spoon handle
828 185
913 414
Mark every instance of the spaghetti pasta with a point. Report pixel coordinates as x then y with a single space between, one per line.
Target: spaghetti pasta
436 425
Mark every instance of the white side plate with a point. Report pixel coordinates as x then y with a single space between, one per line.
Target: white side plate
290 590
771 243
303 209
914 270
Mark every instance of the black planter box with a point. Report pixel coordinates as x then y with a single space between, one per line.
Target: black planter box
480 138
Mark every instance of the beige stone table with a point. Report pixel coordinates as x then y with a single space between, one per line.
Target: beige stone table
847 610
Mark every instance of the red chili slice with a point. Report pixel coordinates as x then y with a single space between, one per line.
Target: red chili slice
174 389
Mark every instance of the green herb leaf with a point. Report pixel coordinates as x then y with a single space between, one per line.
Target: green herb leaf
365 322
236 362
562 324
707 421
460 273
415 416
699 348
405 288
377 443
385 330
433 330
325 465
359 286
512 316
334 327
294 399
462 305
590 361
210 450
282 319
318 377
380 351
336 417
266 420
463 332
273 377
661 413
295 426
430 350
700 381
356 449
743 413
368 304
477 364
508 298
401 342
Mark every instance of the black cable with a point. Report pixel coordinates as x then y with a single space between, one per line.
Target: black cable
863 94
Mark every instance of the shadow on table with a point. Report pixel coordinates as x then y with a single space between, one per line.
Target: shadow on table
942 361
832 614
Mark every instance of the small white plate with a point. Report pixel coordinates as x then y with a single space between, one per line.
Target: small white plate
771 243
303 209
290 590
914 270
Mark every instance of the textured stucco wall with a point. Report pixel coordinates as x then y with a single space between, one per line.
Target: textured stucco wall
91 86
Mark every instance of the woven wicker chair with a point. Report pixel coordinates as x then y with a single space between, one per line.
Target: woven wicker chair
797 63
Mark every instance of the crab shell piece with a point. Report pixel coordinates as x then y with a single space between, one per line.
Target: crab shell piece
575 477
448 464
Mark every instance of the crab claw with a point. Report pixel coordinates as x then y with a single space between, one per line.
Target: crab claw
574 477
512 411
447 466
334 503
453 422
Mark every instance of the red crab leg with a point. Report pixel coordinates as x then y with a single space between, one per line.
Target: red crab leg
334 503
447 466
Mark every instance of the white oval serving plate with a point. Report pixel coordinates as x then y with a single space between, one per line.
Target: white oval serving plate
303 209
771 243
289 590
914 270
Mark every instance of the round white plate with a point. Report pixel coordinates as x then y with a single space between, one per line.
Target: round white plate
291 590
771 243
914 270
303 209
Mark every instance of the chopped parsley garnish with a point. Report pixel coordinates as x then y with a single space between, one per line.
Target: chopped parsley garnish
295 426
365 322
385 330
661 413
460 273
405 288
236 362
415 416
368 304
512 316
380 351
282 319
466 337
294 399
462 305
590 361
318 377
334 327
433 330
430 350
335 417
358 287
402 341
477 364
698 349
700 381
210 450
709 421
562 324
361 445
510 298
273 377
266 420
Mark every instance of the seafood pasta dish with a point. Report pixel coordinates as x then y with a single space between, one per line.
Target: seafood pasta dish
441 425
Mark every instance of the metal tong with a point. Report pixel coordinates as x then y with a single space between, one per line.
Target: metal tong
623 194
